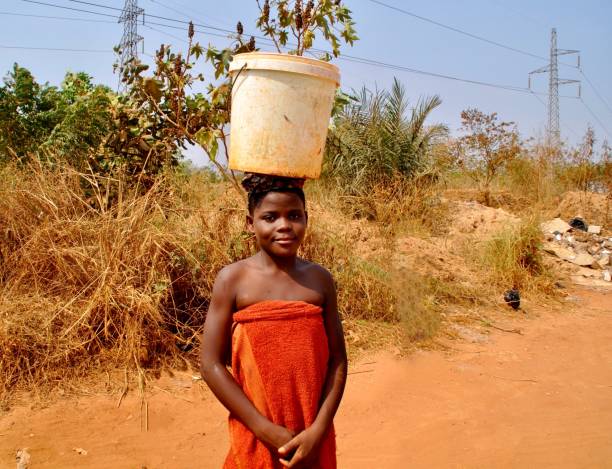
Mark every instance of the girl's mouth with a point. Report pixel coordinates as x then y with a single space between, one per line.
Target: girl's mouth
285 241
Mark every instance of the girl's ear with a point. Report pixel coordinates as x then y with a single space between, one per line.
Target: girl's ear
249 223
306 215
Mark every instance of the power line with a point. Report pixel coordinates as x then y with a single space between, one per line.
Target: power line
183 29
345 57
148 15
57 49
563 124
595 90
457 30
96 5
69 8
56 17
595 117
348 58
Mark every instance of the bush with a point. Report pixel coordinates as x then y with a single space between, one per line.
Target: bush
373 145
513 258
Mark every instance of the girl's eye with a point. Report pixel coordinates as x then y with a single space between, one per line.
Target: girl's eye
294 216
268 218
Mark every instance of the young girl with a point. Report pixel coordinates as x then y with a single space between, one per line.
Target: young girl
277 314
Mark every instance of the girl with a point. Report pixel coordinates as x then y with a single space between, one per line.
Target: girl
277 314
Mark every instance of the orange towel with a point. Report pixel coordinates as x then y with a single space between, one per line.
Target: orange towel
279 358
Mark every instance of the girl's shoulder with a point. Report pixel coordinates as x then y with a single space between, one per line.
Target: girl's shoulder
314 270
232 271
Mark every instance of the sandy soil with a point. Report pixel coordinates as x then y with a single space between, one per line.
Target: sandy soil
541 399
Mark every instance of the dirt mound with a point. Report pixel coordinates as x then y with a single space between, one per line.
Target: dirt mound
594 208
480 220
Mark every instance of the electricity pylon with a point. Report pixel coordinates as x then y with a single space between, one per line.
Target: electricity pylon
553 133
130 39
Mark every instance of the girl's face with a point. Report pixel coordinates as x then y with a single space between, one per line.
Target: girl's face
279 223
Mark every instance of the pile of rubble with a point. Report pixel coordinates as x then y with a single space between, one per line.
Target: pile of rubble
580 244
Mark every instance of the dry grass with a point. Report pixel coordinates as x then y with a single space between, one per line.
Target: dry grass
512 258
86 288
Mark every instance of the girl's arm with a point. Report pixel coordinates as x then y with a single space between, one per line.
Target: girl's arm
305 445
215 343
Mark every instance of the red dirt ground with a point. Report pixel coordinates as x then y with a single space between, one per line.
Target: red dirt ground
541 399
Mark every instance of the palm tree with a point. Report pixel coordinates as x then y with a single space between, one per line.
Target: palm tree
373 140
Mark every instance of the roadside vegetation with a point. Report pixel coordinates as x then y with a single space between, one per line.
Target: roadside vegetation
110 242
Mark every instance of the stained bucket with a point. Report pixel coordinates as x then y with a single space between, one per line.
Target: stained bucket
281 106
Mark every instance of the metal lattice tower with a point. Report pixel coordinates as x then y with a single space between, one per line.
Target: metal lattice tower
553 132
130 39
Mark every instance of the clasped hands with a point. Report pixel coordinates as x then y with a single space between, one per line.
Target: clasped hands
296 451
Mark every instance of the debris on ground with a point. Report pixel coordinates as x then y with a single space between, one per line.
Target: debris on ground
23 459
513 298
589 247
578 224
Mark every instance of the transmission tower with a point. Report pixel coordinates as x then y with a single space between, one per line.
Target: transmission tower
553 133
130 39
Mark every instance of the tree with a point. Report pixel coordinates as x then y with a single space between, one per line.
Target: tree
28 113
375 139
303 22
486 148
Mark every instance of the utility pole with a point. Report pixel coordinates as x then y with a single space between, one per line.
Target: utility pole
130 39
553 133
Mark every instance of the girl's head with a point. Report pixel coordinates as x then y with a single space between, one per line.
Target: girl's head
277 213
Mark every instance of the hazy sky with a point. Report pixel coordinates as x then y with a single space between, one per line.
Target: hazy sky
385 35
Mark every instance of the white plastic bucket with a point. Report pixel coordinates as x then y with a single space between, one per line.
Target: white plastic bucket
281 105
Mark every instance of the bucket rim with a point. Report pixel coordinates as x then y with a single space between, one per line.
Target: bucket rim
285 63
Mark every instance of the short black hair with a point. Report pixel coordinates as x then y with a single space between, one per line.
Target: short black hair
259 185
255 197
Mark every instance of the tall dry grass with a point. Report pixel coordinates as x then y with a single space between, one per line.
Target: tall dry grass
83 286
513 258
86 288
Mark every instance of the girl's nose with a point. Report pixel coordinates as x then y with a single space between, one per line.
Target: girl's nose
283 223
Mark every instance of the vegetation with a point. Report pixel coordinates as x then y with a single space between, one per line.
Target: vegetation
109 243
375 144
280 18
513 257
486 148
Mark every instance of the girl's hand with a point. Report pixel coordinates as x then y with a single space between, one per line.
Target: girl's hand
303 450
275 435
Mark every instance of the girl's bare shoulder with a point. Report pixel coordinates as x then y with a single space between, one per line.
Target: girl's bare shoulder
233 272
316 271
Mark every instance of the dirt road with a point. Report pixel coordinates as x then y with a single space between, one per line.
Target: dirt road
541 399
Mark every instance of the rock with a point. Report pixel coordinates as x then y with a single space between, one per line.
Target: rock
581 247
23 459
555 225
591 282
607 276
559 251
587 273
583 259
603 261
594 229
593 249
80 451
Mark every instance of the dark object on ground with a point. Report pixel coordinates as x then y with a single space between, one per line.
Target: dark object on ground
578 224
513 298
